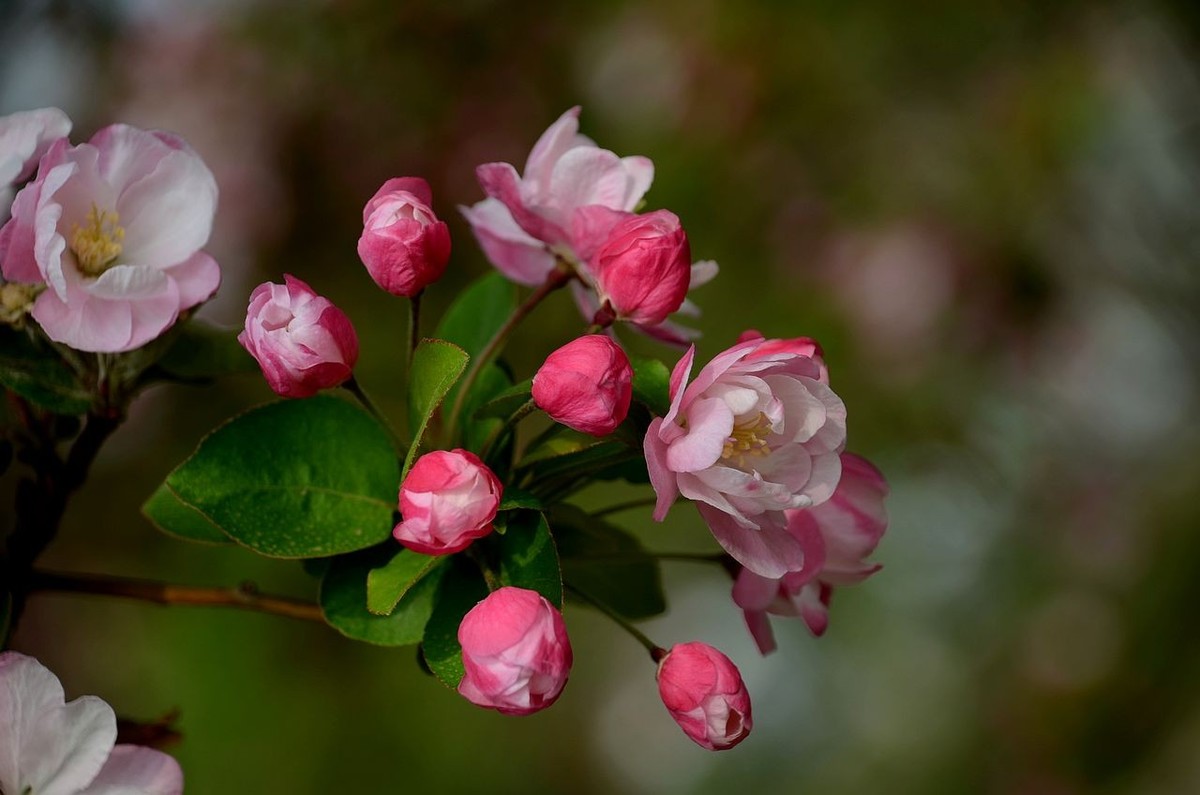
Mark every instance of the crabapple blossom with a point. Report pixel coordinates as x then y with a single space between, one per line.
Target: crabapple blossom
704 692
515 651
586 385
755 434
403 244
837 536
643 268
49 746
448 499
302 342
113 228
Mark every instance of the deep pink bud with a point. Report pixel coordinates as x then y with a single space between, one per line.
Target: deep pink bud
704 693
302 341
515 651
586 385
448 500
644 267
404 245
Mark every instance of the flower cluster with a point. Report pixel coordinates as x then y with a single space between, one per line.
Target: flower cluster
461 525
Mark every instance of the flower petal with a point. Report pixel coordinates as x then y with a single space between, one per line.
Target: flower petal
768 551
134 770
522 258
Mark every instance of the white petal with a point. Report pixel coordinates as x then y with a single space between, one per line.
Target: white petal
133 770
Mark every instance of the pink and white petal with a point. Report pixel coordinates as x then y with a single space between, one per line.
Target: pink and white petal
769 551
813 603
559 137
716 368
196 278
693 487
640 172
802 527
704 272
134 770
500 181
668 332
824 477
661 477
709 424
129 283
584 176
679 376
24 138
46 745
832 436
519 256
804 412
754 592
168 214
78 324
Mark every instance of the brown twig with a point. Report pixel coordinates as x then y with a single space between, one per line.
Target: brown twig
244 596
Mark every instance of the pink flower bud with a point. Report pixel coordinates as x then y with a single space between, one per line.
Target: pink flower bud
404 245
586 385
448 500
644 268
704 693
301 340
516 652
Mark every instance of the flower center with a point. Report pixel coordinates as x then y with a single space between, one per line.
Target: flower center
97 244
749 438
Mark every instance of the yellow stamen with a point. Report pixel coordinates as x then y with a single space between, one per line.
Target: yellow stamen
98 244
749 438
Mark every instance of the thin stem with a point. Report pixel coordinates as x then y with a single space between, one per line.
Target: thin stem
498 435
245 596
644 502
656 651
557 279
414 327
353 387
489 576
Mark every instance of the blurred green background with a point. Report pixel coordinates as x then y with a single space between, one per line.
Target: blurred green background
987 212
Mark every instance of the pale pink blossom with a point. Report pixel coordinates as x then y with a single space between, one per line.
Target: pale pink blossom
704 692
755 434
302 342
448 499
836 536
49 746
24 138
515 651
586 385
114 229
403 244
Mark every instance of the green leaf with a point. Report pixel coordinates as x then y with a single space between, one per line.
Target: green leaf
528 558
607 564
506 403
492 380
478 313
436 366
343 600
514 498
295 479
388 583
176 518
592 458
202 351
37 373
461 588
652 385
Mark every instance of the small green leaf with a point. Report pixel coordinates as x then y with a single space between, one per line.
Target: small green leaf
514 498
461 589
176 518
201 351
652 385
37 373
528 558
607 563
295 479
389 582
343 600
506 403
436 366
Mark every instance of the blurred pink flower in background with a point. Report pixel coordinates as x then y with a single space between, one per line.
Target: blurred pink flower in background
51 747
836 536
24 138
586 385
704 692
302 342
404 245
515 651
448 499
755 434
114 228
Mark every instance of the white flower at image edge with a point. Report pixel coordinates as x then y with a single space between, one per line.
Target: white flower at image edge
51 747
